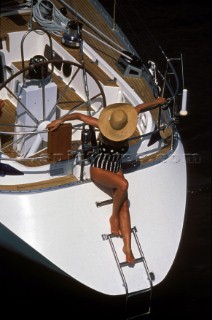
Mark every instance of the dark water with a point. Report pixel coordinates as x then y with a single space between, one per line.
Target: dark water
178 27
184 27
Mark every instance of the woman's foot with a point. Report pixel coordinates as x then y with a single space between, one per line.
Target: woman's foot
129 256
114 226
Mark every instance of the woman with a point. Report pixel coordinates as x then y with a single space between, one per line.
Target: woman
117 123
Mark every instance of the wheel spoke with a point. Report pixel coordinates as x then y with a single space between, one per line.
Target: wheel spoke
25 108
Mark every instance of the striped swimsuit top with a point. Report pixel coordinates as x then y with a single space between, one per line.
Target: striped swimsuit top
109 157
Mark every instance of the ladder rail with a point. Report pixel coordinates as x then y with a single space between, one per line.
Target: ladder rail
109 237
134 231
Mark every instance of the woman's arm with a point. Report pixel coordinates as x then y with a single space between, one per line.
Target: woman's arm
73 116
146 105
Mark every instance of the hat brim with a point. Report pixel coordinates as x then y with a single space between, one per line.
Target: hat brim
129 128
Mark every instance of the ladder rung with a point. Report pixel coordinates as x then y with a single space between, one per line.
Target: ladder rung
126 264
103 203
111 235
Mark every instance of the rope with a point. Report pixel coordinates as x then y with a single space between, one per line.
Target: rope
49 17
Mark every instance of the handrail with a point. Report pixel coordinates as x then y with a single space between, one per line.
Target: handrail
24 159
21 132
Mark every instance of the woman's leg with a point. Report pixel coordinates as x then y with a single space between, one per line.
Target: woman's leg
119 185
120 218
125 227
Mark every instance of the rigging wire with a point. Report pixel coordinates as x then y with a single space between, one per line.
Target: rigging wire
106 44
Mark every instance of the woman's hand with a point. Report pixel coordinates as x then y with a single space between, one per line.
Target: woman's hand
160 100
54 124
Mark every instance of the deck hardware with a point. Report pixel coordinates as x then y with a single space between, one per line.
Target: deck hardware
130 65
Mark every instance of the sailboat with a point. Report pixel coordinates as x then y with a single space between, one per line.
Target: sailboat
56 59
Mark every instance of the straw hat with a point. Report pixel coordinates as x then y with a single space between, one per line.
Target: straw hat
118 121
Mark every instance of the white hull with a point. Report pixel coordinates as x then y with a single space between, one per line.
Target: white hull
66 227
